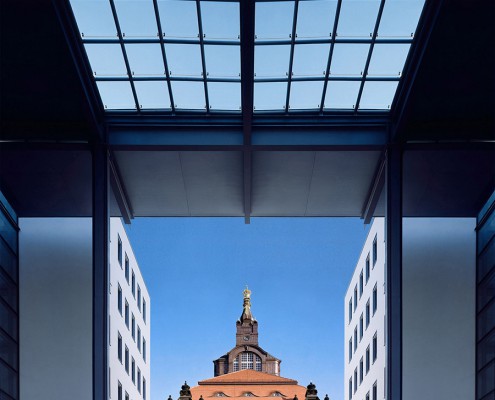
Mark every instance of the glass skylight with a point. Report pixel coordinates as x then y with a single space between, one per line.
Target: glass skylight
186 55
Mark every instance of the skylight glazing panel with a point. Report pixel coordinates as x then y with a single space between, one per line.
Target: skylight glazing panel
152 95
145 59
315 19
89 26
271 61
274 20
179 19
106 59
400 18
270 96
305 95
136 18
341 94
388 59
220 20
189 95
184 59
223 61
378 95
349 59
116 95
357 18
224 96
310 59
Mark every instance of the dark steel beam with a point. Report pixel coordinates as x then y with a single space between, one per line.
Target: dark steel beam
119 191
236 43
330 54
100 270
72 36
124 53
291 55
247 21
424 30
374 192
164 54
393 234
370 52
203 59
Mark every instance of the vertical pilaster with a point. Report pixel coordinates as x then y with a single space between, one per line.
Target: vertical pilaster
394 271
101 221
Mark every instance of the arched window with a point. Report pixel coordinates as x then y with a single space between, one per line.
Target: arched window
247 360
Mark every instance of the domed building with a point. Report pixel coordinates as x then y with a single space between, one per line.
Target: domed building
247 370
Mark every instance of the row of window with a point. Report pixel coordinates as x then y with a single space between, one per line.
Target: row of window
374 390
125 361
352 349
120 391
132 325
140 299
362 283
374 352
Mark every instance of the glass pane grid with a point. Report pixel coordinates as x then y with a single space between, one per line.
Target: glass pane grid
142 42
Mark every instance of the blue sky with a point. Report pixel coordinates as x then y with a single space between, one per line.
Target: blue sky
196 269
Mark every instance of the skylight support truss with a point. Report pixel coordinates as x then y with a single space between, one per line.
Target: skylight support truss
124 53
164 55
291 56
370 52
202 48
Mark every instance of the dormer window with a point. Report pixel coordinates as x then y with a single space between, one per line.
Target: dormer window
220 394
248 394
277 394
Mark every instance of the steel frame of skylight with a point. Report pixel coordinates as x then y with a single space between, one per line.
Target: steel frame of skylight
248 41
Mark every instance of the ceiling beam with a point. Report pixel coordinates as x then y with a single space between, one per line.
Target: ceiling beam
247 21
374 192
119 191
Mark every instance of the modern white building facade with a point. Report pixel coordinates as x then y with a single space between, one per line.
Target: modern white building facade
128 321
365 341
55 290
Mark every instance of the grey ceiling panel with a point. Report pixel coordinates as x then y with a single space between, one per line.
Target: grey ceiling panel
153 182
214 183
341 182
281 182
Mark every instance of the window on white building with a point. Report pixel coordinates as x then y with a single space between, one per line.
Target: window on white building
119 391
144 349
367 268
350 388
144 310
126 360
375 299
139 339
350 310
126 314
375 347
126 396
361 370
119 299
126 268
144 388
119 250
375 392
355 339
350 349
133 327
139 297
119 347
367 359
355 298
355 379
368 396
361 329
361 284
367 313
133 284
139 380
133 370
375 251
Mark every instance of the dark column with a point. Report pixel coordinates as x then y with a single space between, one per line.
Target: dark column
100 271
393 234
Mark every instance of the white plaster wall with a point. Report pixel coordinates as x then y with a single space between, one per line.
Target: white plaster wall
55 301
439 263
377 321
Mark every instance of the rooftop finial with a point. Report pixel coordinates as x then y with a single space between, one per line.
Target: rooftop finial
246 312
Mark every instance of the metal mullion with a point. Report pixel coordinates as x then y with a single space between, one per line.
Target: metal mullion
330 53
164 55
370 52
291 57
164 78
124 53
202 47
